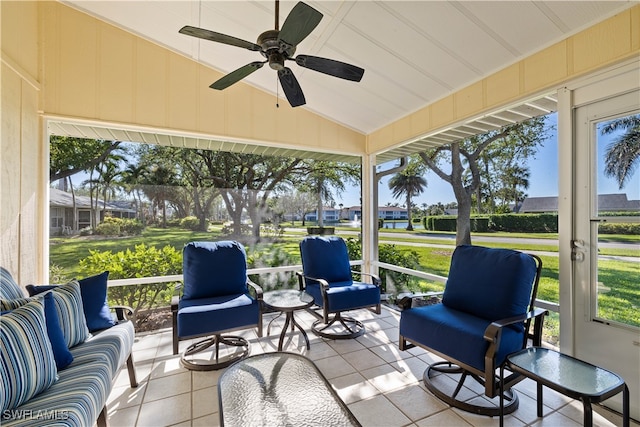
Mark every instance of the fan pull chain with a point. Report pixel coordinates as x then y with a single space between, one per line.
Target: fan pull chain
277 93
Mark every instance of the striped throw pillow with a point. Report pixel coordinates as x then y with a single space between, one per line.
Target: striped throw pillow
68 301
9 289
27 367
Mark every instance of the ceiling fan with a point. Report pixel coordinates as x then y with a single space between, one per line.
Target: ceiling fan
278 46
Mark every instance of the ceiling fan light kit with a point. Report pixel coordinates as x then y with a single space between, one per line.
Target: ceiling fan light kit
278 46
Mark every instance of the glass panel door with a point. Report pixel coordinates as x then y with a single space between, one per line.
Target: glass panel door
606 243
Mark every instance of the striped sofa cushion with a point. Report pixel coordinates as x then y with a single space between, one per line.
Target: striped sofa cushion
9 289
75 400
28 366
108 346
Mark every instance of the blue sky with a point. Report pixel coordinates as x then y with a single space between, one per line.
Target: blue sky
543 180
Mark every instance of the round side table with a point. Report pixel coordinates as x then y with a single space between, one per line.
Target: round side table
287 301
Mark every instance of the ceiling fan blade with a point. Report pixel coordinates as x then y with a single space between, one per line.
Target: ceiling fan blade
301 21
236 75
331 67
291 87
218 37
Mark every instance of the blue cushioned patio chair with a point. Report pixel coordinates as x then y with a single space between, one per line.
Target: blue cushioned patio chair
326 275
486 313
217 297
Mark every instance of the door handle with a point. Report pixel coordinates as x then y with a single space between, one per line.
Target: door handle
577 250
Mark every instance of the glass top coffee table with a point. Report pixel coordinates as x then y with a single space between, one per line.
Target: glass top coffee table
287 301
569 376
279 389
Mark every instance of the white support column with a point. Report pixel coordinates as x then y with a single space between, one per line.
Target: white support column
566 217
369 214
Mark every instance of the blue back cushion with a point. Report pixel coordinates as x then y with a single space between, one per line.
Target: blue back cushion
213 269
489 283
326 258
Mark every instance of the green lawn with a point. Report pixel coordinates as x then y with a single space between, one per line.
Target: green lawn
618 301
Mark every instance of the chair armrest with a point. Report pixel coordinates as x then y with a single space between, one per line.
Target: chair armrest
124 312
324 285
256 288
492 331
406 301
175 300
301 285
374 278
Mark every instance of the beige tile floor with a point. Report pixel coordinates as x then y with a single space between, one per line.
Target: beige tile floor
381 384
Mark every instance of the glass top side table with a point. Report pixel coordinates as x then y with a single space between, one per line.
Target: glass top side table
570 376
287 301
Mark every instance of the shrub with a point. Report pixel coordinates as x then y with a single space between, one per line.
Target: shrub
119 226
272 258
57 275
618 228
132 227
390 254
227 229
191 223
143 261
271 230
108 228
524 223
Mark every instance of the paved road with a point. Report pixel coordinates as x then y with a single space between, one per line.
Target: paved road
448 240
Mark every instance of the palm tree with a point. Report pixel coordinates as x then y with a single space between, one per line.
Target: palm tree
131 178
622 156
408 183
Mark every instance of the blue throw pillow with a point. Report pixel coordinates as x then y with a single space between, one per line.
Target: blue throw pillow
94 300
61 353
27 367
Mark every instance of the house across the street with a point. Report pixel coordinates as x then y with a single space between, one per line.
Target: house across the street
606 203
62 206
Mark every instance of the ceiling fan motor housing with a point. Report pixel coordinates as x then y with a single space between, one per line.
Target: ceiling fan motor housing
275 50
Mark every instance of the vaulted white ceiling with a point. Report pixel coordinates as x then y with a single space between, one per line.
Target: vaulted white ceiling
413 52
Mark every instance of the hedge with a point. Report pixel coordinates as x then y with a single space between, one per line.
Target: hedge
525 223
479 224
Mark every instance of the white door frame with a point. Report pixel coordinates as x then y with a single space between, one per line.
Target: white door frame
605 85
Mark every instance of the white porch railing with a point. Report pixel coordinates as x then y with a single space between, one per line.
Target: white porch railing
547 305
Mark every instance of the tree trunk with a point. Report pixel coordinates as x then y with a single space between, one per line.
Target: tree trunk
74 222
409 221
319 209
463 222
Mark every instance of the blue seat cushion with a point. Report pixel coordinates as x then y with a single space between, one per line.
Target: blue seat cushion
212 315
456 334
489 283
214 268
346 295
